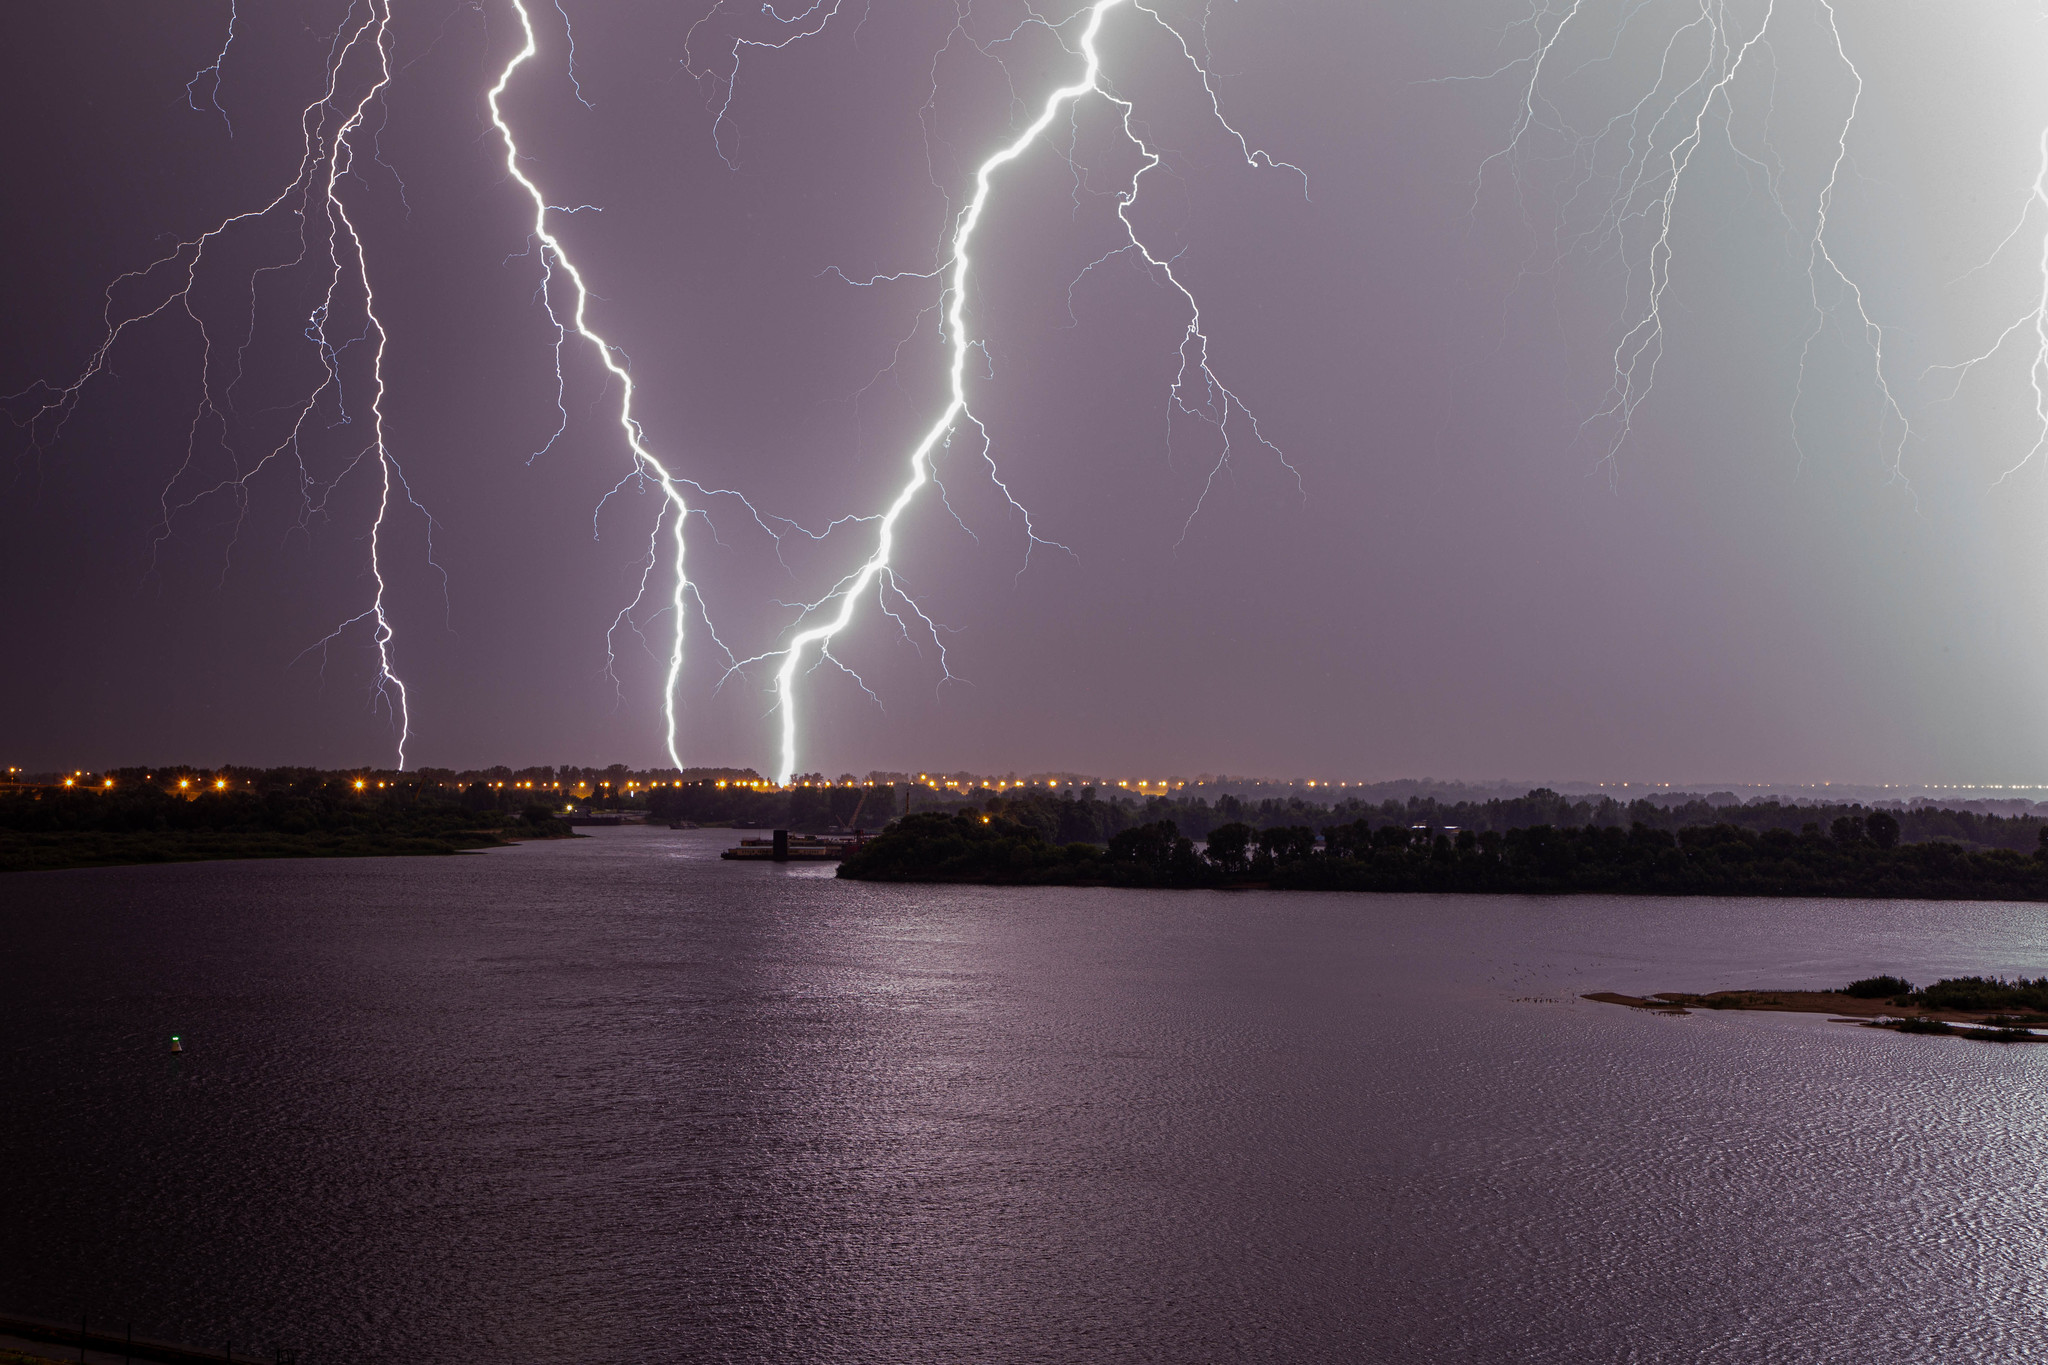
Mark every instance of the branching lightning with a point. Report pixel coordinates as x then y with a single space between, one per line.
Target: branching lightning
327 234
1618 196
647 469
1611 188
1195 391
2031 325
346 336
210 74
676 509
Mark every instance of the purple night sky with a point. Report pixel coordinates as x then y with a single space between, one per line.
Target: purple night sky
1459 585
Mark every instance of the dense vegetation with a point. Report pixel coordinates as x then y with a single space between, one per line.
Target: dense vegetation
1086 817
310 816
1962 994
1856 856
2009 1010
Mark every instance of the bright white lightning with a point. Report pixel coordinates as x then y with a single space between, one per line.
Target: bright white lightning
1217 403
339 165
1630 212
676 509
327 159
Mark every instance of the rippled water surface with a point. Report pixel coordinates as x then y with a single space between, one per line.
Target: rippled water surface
615 1100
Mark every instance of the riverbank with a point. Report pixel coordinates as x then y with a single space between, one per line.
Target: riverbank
52 852
43 829
1716 860
1997 1025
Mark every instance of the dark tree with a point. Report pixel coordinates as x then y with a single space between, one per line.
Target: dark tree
1228 845
1149 846
1287 843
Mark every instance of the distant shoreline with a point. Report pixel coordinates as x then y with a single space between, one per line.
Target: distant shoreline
1995 1024
125 824
71 850
1857 860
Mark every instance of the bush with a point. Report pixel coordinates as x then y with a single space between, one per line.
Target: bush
1986 993
1878 988
1923 1026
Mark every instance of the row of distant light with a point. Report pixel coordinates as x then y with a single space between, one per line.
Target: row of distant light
932 782
1139 783
78 775
1881 786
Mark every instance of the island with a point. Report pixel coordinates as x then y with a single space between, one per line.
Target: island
1860 857
1990 1009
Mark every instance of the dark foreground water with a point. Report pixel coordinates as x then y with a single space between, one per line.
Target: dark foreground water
617 1101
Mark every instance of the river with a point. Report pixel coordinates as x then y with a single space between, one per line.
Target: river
615 1100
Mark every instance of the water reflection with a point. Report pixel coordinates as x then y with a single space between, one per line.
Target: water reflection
618 1100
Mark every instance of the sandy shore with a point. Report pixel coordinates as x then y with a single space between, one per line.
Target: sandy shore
1988 1025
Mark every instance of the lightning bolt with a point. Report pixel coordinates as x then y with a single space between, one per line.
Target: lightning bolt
1628 214
313 194
646 468
1196 390
341 163
2032 324
1818 255
675 510
210 73
347 337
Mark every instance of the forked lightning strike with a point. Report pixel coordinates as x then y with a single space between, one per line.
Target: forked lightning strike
676 509
1196 390
1629 213
646 467
2034 321
313 194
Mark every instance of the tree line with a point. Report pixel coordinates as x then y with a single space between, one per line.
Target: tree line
1066 819
1861 856
313 815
